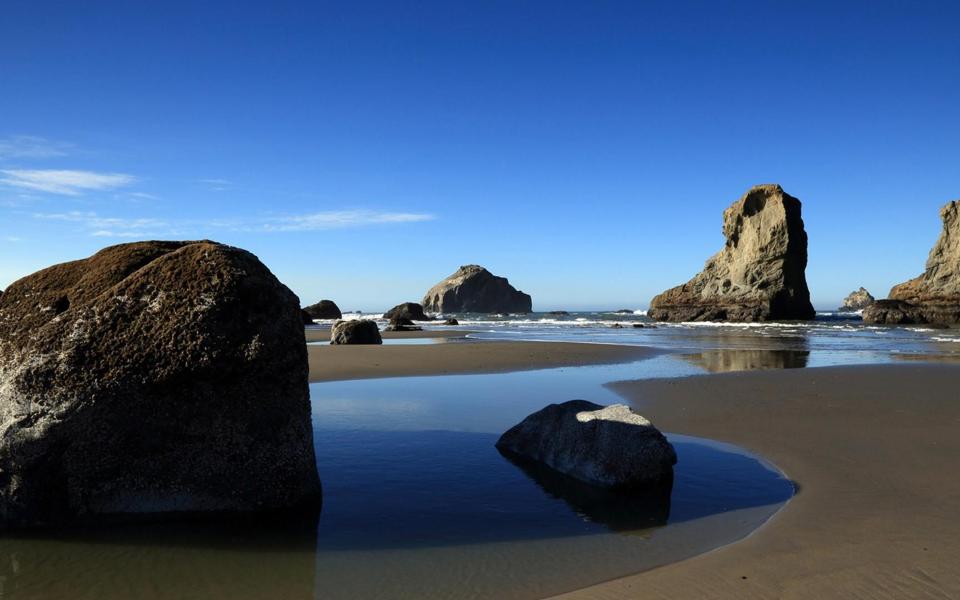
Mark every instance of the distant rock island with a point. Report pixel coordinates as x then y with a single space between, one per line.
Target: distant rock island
153 377
933 297
760 273
475 289
325 309
857 300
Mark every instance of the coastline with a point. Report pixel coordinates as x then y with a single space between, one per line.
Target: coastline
322 334
873 450
339 363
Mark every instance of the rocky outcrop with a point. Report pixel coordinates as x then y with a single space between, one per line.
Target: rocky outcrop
403 324
306 317
451 321
857 300
610 447
933 297
358 331
893 312
760 273
325 309
407 310
153 377
473 289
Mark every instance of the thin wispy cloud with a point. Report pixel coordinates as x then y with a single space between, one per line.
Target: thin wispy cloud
100 226
217 185
31 146
339 219
65 182
118 227
141 196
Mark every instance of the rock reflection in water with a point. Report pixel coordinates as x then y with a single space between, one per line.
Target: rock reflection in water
230 558
622 511
722 361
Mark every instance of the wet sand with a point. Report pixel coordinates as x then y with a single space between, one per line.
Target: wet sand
318 334
337 363
875 451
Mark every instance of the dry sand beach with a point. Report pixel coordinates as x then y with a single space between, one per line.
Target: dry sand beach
873 450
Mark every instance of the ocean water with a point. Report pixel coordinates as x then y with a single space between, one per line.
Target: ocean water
832 338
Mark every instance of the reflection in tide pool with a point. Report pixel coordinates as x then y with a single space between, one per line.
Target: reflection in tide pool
418 500
722 361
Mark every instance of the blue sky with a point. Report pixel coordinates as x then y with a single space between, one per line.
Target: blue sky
586 150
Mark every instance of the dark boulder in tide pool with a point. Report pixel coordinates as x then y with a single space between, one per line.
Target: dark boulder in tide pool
153 378
610 447
357 331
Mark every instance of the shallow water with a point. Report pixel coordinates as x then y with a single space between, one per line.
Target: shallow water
419 503
417 341
412 481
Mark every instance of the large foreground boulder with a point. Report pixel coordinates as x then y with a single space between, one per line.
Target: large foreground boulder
610 447
475 289
153 377
760 273
933 297
357 331
407 310
857 300
325 309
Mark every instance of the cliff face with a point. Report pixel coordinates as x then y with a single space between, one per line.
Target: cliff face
760 273
934 296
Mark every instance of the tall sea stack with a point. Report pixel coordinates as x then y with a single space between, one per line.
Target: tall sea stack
933 297
153 377
760 273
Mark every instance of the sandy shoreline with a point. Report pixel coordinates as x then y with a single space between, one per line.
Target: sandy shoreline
336 363
315 334
875 451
